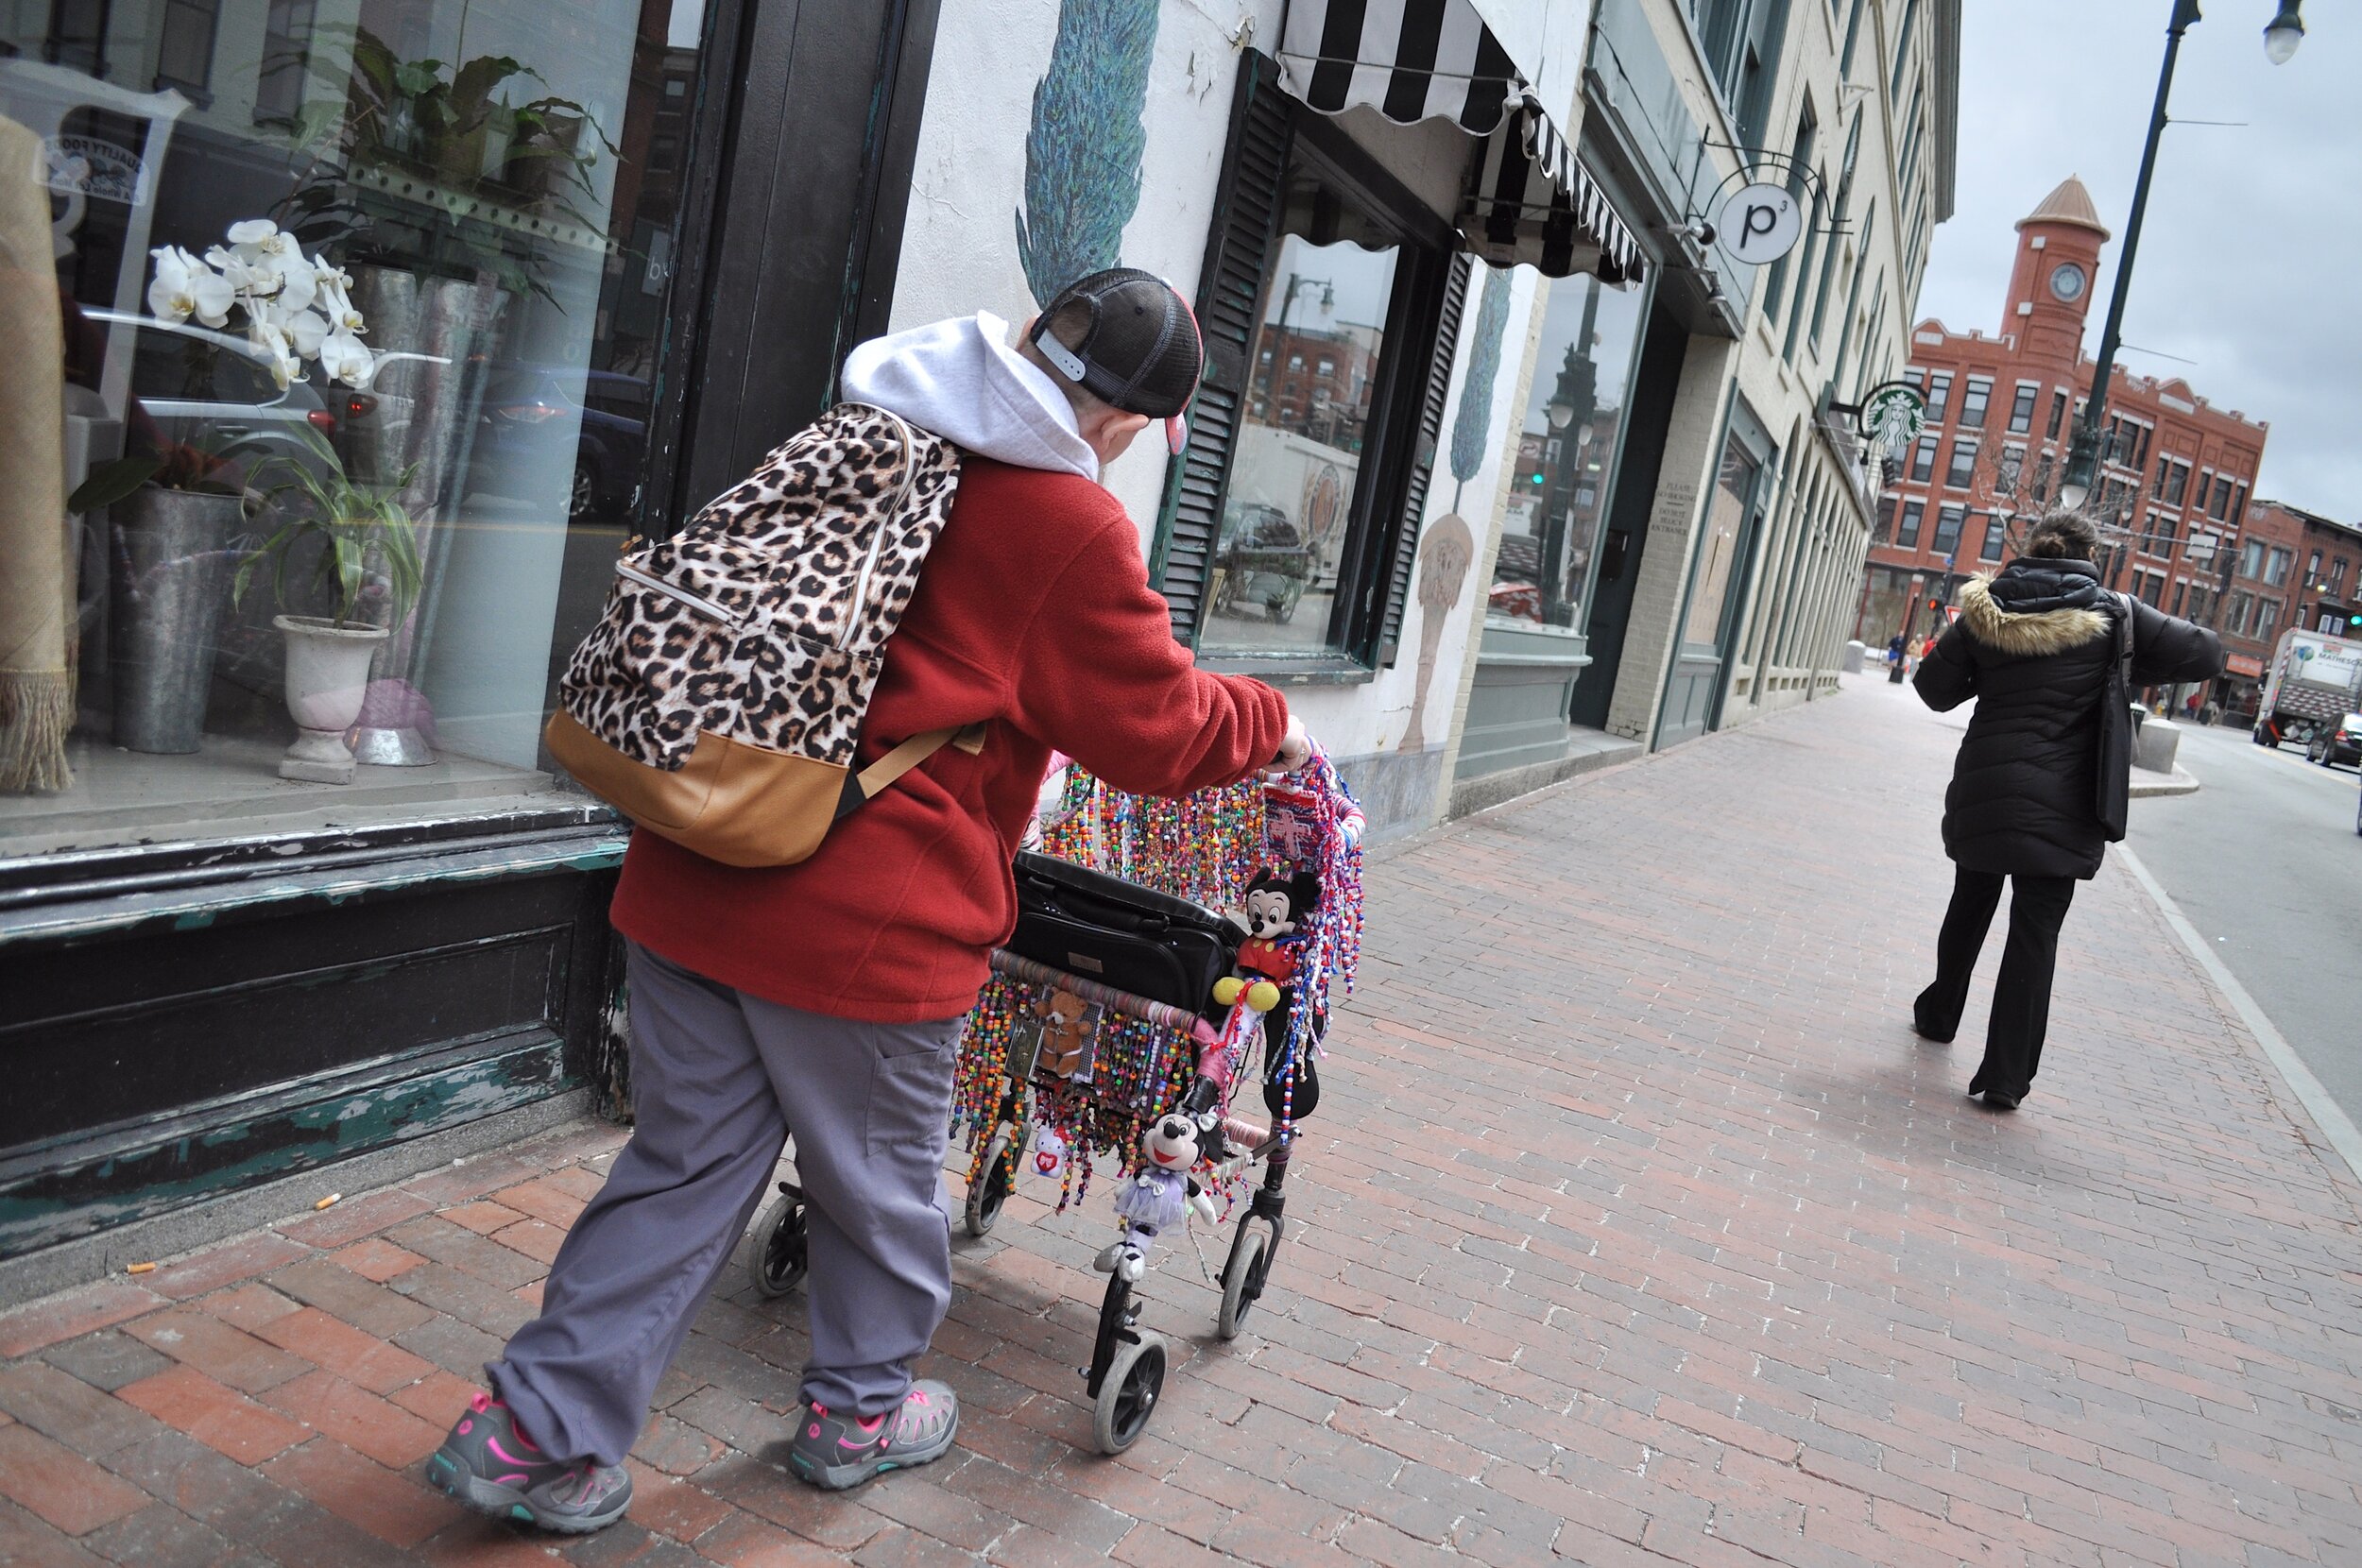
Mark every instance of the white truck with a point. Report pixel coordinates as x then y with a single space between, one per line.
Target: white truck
2314 682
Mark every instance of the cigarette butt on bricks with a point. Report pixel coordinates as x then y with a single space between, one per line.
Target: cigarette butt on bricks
140 1269
332 1198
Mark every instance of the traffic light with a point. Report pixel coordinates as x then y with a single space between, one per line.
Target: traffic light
1935 606
1537 477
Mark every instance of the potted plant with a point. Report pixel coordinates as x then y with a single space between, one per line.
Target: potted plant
364 557
175 510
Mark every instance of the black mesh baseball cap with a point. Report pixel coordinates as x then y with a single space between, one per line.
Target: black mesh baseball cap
1141 352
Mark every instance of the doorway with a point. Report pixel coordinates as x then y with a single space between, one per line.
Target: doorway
1654 386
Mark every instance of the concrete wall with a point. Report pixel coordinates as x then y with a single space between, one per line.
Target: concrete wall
960 254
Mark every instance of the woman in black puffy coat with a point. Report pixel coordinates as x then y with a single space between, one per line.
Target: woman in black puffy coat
2036 646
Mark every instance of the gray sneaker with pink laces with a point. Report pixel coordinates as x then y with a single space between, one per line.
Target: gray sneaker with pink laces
839 1451
489 1465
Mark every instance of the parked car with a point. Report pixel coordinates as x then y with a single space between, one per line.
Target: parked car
1264 559
2334 743
608 411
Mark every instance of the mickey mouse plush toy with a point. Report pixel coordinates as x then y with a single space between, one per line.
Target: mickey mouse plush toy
1277 903
1158 1195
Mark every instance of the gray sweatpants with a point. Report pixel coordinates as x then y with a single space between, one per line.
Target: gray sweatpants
719 1079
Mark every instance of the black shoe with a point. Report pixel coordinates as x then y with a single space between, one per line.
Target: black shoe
1926 1033
2000 1102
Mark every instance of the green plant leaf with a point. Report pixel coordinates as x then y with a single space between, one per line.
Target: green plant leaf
111 481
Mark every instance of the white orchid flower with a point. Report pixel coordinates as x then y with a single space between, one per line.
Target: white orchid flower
335 298
276 346
252 232
186 286
298 284
251 280
304 329
344 359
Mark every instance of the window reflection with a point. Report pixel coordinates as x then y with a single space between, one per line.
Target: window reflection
1566 453
479 196
1291 503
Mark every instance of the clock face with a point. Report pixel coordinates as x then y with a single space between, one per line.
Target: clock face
2066 280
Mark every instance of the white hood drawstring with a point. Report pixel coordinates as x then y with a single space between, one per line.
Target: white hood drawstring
960 380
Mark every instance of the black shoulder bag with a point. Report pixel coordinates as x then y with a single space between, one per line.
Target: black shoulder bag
1136 939
2116 730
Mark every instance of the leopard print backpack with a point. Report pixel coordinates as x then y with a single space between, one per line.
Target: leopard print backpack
719 699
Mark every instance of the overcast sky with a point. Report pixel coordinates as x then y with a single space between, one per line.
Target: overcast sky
2251 261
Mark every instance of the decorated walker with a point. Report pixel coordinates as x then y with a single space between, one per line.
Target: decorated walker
1235 916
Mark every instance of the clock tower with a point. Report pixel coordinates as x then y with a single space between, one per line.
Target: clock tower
2050 287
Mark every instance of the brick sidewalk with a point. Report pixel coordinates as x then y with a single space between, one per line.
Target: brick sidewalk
1639 1229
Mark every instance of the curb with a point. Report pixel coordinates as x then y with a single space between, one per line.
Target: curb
2336 1126
2180 782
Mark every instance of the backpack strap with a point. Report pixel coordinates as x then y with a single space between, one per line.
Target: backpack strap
2124 640
862 787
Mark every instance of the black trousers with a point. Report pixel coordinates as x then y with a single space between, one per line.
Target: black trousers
2021 996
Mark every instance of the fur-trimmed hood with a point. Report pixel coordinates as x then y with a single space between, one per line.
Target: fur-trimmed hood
2034 609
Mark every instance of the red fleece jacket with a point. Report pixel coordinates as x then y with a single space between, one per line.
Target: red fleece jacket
1034 611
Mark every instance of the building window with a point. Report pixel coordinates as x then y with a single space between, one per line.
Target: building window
2313 569
1924 459
287 56
2219 507
2276 567
1742 48
2057 414
2267 618
1939 399
1973 404
1948 519
2176 485
1906 523
468 583
184 57
1574 419
1963 468
2180 592
1292 538
2022 408
2234 617
1801 192
2238 504
1997 537
2338 577
2252 558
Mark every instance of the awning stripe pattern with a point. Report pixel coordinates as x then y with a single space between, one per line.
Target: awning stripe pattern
1430 59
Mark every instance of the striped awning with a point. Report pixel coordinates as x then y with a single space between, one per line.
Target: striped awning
1531 200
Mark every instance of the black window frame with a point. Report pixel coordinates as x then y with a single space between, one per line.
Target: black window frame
2057 414
1938 396
1922 467
1960 469
1908 520
1422 331
1996 537
1951 520
2022 403
1975 398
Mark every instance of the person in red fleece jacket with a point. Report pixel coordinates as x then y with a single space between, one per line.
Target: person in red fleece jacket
827 998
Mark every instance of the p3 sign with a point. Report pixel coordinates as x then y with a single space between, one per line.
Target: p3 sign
1759 223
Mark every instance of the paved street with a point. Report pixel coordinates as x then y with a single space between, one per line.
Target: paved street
1639 1229
2266 864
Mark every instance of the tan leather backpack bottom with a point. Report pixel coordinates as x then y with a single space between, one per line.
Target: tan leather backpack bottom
733 803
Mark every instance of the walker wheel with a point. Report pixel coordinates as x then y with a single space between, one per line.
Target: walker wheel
991 1188
1128 1395
780 1260
1242 1277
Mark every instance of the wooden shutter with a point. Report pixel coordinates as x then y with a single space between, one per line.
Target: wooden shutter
1402 559
1229 296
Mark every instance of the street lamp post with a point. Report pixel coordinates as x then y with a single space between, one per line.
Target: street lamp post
2281 37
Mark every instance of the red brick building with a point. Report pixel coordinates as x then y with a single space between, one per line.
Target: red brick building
2294 568
2172 487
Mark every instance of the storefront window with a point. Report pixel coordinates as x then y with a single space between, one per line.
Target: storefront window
1567 452
1295 472
355 318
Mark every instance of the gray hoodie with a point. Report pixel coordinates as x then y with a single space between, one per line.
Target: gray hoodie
960 380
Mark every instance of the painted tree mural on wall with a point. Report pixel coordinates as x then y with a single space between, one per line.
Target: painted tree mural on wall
1083 150
1476 394
1449 548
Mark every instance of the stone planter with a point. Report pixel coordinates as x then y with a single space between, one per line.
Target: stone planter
328 674
168 581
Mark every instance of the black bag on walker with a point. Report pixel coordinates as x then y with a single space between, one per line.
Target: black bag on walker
1119 933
